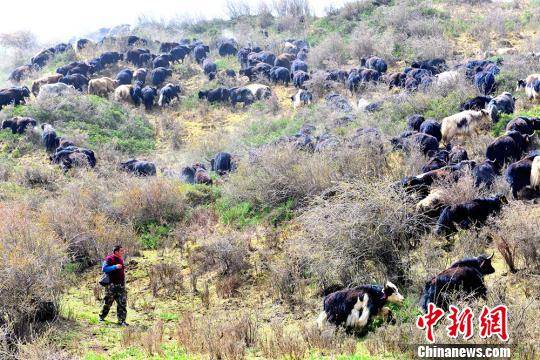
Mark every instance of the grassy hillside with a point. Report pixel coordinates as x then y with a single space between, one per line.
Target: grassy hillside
238 269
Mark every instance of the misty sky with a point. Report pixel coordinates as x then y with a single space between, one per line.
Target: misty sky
60 20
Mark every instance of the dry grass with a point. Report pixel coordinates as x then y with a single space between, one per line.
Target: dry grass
280 173
516 236
166 279
217 336
382 224
331 53
155 200
31 273
150 340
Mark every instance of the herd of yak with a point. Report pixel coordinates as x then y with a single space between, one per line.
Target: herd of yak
509 155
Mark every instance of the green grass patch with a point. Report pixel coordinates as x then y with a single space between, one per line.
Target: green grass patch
151 235
228 62
244 214
240 215
169 352
264 131
103 121
325 26
168 317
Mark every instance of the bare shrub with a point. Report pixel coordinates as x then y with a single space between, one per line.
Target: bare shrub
330 53
237 9
428 47
19 47
166 278
41 349
155 200
94 230
264 15
228 286
31 284
217 336
38 176
319 86
353 10
289 284
229 253
367 42
280 343
172 130
279 173
382 224
516 234
150 340
294 8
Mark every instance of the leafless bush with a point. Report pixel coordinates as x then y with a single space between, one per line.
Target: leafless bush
172 130
264 15
351 11
41 349
167 278
319 86
294 8
31 284
19 47
38 176
230 253
515 233
152 200
330 53
382 224
280 343
237 9
150 340
228 286
289 284
366 42
280 173
216 336
428 47
94 230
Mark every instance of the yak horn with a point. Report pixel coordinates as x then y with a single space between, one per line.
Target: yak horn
489 257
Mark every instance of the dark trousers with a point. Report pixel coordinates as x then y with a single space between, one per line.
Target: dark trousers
118 293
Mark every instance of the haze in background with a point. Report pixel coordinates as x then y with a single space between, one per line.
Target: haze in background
61 20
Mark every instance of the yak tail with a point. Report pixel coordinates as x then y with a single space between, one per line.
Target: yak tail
160 101
535 173
321 320
427 296
493 112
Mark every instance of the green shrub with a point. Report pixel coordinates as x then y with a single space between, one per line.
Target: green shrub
152 235
262 131
240 214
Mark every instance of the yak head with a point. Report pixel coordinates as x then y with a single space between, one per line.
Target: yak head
8 124
391 293
484 264
521 84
